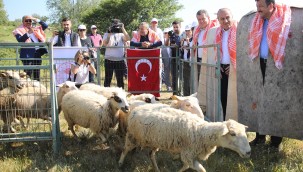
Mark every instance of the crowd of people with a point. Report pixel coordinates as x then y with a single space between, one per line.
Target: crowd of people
148 36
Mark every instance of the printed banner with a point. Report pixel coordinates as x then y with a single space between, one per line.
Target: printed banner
143 70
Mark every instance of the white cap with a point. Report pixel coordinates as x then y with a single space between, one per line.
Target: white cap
166 30
81 26
93 26
154 20
194 24
187 27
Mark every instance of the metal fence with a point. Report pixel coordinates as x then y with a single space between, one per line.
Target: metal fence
183 78
28 110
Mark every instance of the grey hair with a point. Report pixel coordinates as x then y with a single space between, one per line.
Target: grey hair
145 24
200 12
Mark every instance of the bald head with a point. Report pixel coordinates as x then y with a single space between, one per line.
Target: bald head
225 18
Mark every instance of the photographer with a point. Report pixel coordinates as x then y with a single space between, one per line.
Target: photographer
145 38
174 39
82 67
28 32
86 41
114 57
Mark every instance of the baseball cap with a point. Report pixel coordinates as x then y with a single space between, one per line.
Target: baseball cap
187 27
81 26
166 30
93 26
154 20
194 24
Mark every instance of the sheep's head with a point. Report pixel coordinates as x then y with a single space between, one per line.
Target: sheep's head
119 101
146 97
188 104
64 88
12 79
234 137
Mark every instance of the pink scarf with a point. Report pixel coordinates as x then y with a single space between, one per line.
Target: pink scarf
152 36
212 23
277 34
38 32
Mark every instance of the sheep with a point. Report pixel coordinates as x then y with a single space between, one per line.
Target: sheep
188 104
146 97
105 91
11 79
183 134
91 110
63 89
32 102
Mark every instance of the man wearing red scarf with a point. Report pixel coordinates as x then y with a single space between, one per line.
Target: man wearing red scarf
29 33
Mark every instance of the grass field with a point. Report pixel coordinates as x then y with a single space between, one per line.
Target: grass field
90 156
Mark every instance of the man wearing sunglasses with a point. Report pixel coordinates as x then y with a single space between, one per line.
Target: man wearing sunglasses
27 33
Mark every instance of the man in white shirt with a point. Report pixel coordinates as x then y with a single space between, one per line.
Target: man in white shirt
67 37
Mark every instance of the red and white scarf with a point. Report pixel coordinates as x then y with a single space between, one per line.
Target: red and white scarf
38 32
152 37
232 45
212 23
277 34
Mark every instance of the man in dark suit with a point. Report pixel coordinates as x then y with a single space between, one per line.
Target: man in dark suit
29 33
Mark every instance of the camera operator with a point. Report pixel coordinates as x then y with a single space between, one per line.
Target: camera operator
145 38
116 36
82 67
174 39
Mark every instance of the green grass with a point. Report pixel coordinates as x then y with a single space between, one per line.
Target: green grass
90 155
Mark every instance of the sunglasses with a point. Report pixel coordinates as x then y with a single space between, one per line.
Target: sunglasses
81 30
94 28
28 21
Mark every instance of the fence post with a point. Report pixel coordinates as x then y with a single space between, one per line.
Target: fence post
98 66
54 109
193 70
218 75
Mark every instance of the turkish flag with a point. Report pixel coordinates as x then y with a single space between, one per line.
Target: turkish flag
143 71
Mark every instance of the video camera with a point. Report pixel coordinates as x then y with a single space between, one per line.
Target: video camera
116 26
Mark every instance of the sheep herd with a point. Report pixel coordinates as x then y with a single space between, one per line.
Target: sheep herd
178 128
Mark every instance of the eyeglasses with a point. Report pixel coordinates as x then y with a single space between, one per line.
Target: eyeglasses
81 30
28 21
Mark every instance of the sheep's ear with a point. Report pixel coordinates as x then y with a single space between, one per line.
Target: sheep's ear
157 99
23 74
194 95
224 130
174 97
129 95
59 85
3 74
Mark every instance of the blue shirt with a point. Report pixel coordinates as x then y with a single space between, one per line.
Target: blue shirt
264 44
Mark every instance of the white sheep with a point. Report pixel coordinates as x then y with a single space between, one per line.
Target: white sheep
105 91
183 134
146 97
11 78
64 88
188 104
94 111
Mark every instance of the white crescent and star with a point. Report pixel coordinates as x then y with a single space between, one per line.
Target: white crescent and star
143 77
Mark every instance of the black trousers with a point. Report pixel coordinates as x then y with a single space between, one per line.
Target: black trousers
275 140
114 66
174 69
34 73
186 79
224 88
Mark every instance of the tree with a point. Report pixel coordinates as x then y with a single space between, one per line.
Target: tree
72 9
3 15
132 12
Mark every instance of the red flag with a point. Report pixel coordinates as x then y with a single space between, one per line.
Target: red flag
143 70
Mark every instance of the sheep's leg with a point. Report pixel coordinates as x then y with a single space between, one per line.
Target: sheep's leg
71 128
187 161
153 159
127 147
198 167
103 138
